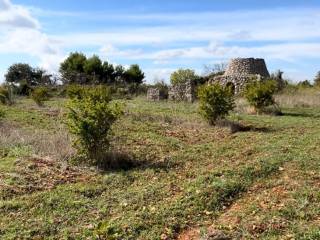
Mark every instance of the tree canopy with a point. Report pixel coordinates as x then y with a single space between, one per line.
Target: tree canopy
77 68
182 76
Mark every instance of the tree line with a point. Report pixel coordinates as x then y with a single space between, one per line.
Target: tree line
75 69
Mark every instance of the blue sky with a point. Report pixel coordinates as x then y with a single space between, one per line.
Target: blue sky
164 35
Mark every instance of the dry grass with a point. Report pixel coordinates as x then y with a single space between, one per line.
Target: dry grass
55 144
299 98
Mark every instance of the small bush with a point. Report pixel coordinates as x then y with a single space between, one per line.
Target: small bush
260 94
215 102
90 118
6 95
39 95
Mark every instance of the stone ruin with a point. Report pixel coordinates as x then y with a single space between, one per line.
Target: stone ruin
182 92
240 71
154 94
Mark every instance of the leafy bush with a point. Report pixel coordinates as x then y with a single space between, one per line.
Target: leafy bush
39 95
90 118
75 91
215 102
260 94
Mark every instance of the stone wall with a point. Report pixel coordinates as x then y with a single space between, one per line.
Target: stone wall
241 71
153 94
182 92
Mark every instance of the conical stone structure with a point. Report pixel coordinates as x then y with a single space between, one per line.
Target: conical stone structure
240 71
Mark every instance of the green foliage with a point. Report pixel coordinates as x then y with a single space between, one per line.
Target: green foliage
2 113
163 88
304 84
78 69
133 75
90 118
25 75
182 76
75 91
260 94
6 95
215 102
39 95
317 80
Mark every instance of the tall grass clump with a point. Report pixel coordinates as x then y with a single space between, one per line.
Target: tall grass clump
90 117
260 94
216 102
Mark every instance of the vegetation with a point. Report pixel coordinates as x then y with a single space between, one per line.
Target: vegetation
186 176
39 95
260 94
22 73
182 76
216 102
90 118
317 80
78 69
6 95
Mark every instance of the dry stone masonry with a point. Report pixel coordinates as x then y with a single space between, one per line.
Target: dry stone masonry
240 71
182 92
154 94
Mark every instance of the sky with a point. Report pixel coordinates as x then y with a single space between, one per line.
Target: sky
162 36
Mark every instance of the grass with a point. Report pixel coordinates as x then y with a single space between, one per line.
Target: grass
186 178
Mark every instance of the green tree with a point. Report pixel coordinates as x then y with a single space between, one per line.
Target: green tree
133 75
93 69
109 73
72 68
216 102
182 76
21 72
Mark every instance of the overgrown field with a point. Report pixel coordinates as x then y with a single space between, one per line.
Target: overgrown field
177 177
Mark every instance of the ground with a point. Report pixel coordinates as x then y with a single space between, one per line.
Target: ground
180 178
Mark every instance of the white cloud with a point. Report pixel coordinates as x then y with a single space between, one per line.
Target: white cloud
16 16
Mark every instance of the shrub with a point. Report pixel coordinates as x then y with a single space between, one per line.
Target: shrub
6 95
215 102
90 118
260 94
75 91
39 95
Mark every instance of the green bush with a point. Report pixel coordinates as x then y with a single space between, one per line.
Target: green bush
89 119
75 91
6 95
260 94
215 102
39 95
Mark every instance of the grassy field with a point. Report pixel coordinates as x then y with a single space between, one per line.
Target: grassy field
178 178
